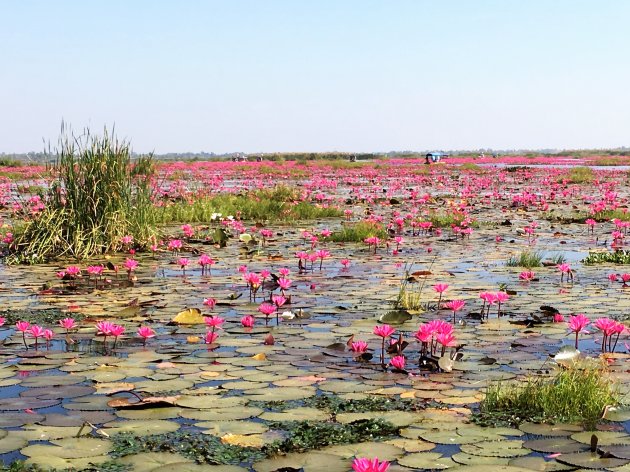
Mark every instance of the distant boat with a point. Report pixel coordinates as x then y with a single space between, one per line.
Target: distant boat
435 157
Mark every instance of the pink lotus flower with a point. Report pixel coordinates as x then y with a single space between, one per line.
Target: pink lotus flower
22 326
73 271
48 335
578 324
345 263
247 321
68 324
188 231
325 233
398 362
455 306
213 321
210 303
359 347
446 339
284 284
265 274
605 325
609 327
126 239
278 300
384 331
558 318
145 333
501 297
61 274
95 270
321 255
36 332
266 309
252 279
116 331
440 288
211 337
204 261
372 241
2 320
183 263
564 269
369 465
284 271
424 333
130 265
527 275
104 328
174 245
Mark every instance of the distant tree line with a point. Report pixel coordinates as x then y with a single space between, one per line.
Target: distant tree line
18 159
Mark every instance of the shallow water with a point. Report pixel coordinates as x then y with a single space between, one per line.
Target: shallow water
337 303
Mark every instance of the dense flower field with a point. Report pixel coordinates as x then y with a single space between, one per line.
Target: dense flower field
328 316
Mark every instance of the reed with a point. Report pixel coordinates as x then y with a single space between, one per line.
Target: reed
98 196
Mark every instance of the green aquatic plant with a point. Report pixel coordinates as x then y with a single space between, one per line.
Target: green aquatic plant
203 449
580 175
359 232
615 257
557 258
280 204
575 394
335 404
98 195
306 435
526 259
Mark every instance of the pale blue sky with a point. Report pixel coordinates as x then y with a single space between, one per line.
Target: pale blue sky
319 75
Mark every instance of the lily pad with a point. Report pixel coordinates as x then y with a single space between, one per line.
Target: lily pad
148 461
591 460
69 448
543 429
306 462
396 317
381 450
12 442
560 444
604 438
141 427
427 461
189 316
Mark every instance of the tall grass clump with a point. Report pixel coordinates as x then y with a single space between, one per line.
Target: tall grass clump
280 203
608 215
470 166
448 219
358 232
97 196
527 259
580 175
574 394
615 257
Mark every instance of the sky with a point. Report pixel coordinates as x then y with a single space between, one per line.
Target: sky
322 75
